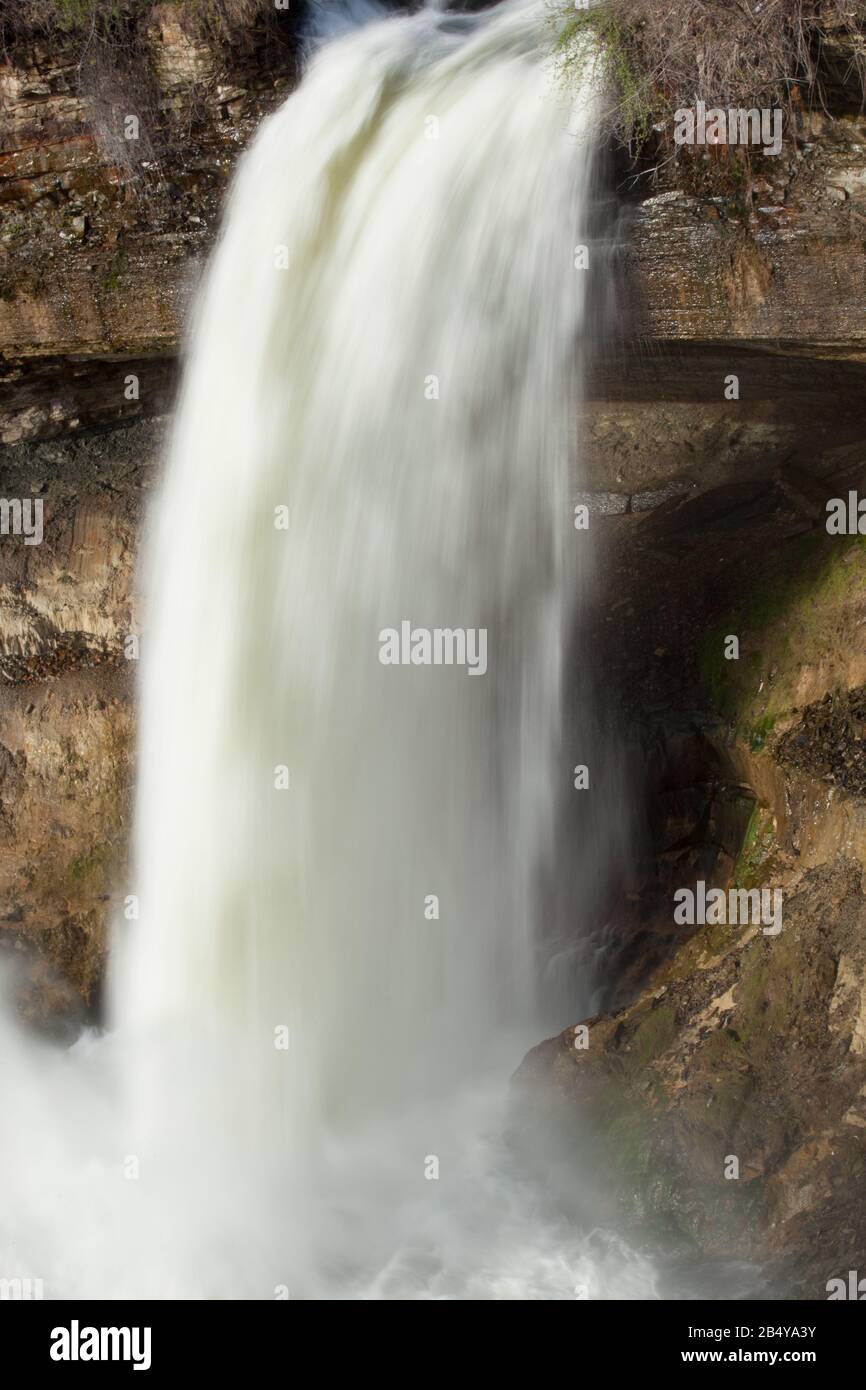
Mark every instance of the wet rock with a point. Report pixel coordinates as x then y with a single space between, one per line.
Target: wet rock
735 1050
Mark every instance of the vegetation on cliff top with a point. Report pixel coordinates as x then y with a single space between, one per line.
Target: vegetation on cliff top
124 22
657 58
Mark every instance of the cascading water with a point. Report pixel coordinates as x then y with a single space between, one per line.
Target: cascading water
338 859
384 349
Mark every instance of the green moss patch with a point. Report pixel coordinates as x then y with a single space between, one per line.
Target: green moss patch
797 615
757 850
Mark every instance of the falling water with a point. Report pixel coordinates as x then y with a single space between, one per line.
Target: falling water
385 349
338 860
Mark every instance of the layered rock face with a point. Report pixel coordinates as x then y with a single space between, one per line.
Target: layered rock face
708 505
69 641
115 154
723 1084
721 1088
114 162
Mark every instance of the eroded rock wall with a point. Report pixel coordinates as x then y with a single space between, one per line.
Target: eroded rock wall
730 1042
69 640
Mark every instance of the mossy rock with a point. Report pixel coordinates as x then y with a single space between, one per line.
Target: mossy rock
795 617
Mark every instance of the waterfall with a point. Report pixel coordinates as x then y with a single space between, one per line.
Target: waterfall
384 349
338 855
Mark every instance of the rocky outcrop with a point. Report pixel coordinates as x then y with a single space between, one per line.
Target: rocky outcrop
106 225
781 267
69 641
728 1100
69 599
65 773
114 163
724 1087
